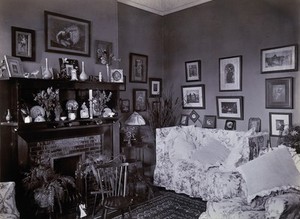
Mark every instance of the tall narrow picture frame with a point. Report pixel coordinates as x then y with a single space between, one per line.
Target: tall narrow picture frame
155 87
138 68
193 96
278 122
66 34
139 100
230 70
279 93
279 59
230 107
193 70
23 43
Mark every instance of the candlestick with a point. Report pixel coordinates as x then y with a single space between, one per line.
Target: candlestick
90 94
100 76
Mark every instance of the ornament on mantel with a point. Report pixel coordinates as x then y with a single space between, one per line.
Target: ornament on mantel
47 74
83 76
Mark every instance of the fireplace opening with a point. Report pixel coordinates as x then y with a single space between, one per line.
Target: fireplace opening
68 164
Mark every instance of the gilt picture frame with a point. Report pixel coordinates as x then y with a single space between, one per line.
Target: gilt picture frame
279 121
138 68
193 96
193 70
230 73
230 107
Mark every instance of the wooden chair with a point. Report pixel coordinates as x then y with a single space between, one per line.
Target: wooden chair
112 183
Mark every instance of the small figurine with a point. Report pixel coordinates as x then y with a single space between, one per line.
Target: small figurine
84 112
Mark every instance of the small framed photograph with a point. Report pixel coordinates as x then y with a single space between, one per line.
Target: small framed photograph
139 100
194 116
279 121
125 105
279 93
65 34
66 66
279 59
122 86
138 68
230 125
254 123
193 70
230 107
23 43
155 87
184 120
103 52
230 73
14 67
209 122
193 96
116 75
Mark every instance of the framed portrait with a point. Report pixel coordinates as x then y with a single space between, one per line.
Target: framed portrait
194 116
155 87
14 67
230 107
184 119
139 100
279 59
138 68
279 121
116 75
209 122
230 125
193 70
279 93
125 105
65 34
66 66
193 96
254 123
103 52
230 70
23 43
122 86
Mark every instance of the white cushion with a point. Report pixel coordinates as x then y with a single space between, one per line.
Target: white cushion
7 200
181 149
273 171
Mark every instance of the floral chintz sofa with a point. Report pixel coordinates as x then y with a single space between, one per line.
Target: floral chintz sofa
8 209
212 164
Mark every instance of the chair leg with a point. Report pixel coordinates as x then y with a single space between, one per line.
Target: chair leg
94 206
104 213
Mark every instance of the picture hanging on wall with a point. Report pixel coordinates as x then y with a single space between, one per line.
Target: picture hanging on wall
139 100
278 122
230 107
230 125
193 96
116 75
193 70
66 66
138 68
230 78
184 119
104 52
125 105
279 59
209 122
155 86
194 116
254 123
122 86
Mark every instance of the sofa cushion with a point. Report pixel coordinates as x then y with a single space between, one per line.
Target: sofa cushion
273 171
7 198
181 149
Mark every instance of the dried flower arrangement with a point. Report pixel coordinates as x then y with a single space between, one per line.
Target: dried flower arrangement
100 101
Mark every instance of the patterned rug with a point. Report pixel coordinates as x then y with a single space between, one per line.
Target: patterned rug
168 205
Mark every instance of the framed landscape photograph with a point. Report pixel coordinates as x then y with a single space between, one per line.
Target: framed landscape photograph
184 119
230 125
125 105
209 122
254 123
66 66
230 107
193 70
279 121
155 87
139 100
14 67
104 52
138 68
279 59
66 34
230 73
193 96
23 43
279 93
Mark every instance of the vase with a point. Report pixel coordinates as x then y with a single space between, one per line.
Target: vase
47 73
8 116
83 76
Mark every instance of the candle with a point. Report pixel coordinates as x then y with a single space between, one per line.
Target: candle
90 94
100 76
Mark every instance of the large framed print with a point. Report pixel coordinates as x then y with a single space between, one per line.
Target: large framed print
278 122
230 107
139 100
279 59
138 69
14 66
230 70
193 96
23 43
279 93
65 34
155 87
193 70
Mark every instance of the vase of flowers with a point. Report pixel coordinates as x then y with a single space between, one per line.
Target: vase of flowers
291 137
100 101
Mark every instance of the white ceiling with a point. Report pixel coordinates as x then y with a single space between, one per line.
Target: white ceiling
163 7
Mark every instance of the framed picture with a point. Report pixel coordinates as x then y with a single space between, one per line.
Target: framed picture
230 78
254 123
184 119
209 122
14 67
23 43
103 52
279 121
155 87
66 66
230 125
65 34
116 75
122 86
230 107
193 70
194 116
279 59
138 68
125 105
139 100
193 96
279 93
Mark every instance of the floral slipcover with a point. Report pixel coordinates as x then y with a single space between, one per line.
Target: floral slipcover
8 209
